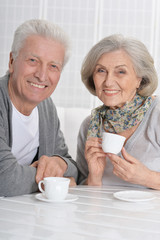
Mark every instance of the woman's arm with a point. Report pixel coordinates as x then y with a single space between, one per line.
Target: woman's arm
132 170
91 159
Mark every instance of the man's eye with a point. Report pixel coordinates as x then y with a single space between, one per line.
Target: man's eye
32 60
55 67
122 72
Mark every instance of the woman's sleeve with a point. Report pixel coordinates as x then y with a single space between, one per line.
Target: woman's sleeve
80 158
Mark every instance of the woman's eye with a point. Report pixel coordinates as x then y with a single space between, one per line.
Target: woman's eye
101 70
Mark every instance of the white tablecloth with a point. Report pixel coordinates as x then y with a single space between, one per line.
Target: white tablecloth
95 215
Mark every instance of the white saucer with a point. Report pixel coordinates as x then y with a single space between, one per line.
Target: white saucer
69 198
134 196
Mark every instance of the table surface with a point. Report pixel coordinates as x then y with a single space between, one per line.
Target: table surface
95 215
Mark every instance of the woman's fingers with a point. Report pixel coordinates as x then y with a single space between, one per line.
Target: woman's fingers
93 142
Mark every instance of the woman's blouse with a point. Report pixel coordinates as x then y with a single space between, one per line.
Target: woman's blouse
144 145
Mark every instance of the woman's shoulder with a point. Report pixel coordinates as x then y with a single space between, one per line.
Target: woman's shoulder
85 123
153 113
155 107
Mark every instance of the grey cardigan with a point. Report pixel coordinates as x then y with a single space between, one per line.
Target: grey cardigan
16 179
144 145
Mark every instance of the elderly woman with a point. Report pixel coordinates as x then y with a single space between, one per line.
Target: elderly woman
120 72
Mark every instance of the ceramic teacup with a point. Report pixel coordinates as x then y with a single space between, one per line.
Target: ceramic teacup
112 143
55 188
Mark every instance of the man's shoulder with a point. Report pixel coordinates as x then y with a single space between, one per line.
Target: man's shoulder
4 97
4 81
48 102
47 107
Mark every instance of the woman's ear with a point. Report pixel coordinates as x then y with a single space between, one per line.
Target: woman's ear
139 79
11 60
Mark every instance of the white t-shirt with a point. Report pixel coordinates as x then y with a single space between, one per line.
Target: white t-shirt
25 132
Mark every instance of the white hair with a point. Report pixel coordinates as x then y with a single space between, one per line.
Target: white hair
41 28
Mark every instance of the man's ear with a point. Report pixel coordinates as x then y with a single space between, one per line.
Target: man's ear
11 60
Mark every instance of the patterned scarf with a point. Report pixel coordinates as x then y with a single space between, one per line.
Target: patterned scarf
120 119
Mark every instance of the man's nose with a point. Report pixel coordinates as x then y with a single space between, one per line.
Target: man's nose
41 73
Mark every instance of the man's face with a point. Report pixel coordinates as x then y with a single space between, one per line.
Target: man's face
35 72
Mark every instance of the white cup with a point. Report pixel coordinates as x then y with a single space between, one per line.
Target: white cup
55 188
112 143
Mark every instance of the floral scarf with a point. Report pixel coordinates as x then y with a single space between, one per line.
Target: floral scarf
120 119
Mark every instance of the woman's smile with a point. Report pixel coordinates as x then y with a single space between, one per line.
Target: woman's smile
109 92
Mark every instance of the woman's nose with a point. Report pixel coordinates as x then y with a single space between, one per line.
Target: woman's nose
108 79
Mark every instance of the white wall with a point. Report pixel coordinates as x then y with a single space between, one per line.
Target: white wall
70 120
86 21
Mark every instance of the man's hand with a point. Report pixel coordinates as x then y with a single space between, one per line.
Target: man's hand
50 167
34 164
72 182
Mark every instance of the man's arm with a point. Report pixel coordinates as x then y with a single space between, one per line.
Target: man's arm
14 178
52 143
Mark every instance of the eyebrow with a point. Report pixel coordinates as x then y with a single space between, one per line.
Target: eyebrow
34 55
122 65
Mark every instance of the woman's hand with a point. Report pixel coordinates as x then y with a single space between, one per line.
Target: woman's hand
96 160
130 169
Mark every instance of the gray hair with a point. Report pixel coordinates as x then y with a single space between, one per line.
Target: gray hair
143 63
42 28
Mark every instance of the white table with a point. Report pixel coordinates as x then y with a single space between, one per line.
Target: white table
95 215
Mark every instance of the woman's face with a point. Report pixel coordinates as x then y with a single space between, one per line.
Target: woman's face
115 79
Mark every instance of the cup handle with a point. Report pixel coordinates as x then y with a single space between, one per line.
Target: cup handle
40 187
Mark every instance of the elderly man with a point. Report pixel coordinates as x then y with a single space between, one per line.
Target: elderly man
31 144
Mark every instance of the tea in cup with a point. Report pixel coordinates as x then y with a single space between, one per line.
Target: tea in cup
112 143
55 188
